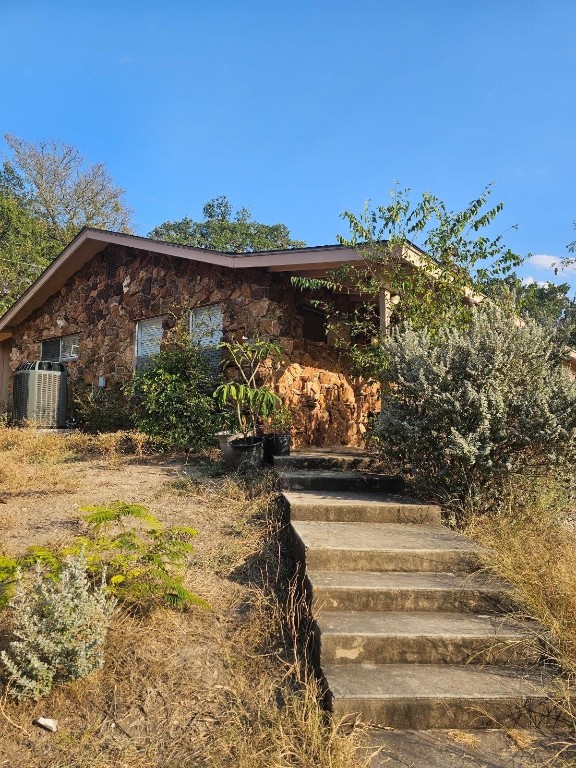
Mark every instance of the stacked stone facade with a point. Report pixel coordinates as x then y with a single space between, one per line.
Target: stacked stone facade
329 405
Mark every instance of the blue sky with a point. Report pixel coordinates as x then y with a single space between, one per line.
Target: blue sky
300 109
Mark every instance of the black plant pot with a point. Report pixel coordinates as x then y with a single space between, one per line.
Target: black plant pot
248 453
281 445
268 448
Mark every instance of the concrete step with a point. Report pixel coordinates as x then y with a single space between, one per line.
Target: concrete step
350 506
353 637
423 696
320 459
327 480
392 591
383 547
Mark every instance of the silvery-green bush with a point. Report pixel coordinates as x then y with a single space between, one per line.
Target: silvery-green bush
60 625
464 411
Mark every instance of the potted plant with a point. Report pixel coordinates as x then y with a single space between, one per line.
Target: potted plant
249 401
280 426
227 433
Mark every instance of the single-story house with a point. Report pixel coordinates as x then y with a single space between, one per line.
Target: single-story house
105 304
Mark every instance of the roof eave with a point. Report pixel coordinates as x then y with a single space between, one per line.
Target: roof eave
88 242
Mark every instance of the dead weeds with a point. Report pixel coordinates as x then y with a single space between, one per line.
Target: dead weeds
228 686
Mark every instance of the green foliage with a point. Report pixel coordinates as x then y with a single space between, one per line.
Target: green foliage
426 283
57 186
8 577
548 304
224 230
467 410
100 410
144 565
170 399
281 420
47 194
250 402
142 559
25 249
60 625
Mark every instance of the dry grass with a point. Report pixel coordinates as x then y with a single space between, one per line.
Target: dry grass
32 461
209 688
534 548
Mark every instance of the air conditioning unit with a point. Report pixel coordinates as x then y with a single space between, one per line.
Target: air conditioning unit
40 393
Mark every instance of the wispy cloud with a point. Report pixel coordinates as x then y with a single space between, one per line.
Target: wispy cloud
552 263
532 281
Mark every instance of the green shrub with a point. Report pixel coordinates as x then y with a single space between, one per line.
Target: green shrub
171 399
144 564
142 560
468 409
60 625
103 410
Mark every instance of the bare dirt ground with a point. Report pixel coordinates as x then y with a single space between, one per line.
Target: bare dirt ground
163 693
205 688
43 518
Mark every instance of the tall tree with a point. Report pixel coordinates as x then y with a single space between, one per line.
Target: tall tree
225 230
548 304
423 257
59 187
25 249
47 194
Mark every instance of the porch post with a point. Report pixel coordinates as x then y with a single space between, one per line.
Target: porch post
4 372
385 311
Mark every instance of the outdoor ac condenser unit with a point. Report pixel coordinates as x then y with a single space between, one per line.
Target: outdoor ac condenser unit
40 393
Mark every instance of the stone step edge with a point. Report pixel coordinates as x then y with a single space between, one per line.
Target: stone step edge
476 581
496 625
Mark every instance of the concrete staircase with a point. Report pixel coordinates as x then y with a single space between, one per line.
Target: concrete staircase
411 634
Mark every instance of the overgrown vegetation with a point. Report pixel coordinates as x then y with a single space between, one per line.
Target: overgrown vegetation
60 624
100 410
200 688
142 566
423 257
468 411
533 545
170 399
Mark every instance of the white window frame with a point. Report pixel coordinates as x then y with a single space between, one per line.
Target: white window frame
148 322
74 342
209 342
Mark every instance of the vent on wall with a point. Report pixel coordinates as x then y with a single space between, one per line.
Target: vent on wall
111 266
40 393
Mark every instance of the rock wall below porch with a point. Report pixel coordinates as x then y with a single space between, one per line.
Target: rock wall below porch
330 407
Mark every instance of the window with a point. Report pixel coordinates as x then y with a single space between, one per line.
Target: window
206 324
314 325
148 339
61 349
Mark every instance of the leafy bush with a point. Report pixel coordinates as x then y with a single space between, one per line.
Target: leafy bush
171 399
103 410
142 560
60 627
143 566
468 409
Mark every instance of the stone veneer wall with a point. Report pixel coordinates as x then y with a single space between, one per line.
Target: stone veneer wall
330 407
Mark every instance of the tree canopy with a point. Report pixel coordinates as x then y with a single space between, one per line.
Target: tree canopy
47 194
425 256
223 229
548 304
